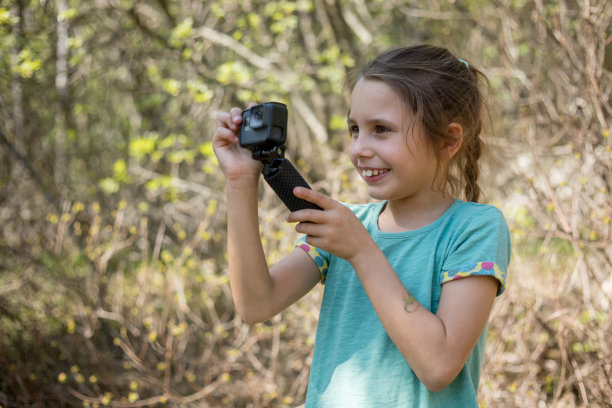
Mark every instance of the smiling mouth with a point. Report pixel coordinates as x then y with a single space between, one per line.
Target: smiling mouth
373 172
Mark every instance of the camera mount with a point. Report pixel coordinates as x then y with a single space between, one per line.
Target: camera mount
272 159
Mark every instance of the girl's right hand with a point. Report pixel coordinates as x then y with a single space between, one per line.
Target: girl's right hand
235 161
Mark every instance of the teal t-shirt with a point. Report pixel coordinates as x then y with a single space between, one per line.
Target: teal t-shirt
355 363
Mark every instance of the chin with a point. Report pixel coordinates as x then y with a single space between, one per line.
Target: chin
377 195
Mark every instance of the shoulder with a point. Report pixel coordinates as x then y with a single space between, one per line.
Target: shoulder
468 208
469 215
479 220
477 228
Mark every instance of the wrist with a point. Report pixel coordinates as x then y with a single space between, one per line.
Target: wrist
242 181
366 254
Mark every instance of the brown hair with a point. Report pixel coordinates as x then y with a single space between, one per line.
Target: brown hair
440 89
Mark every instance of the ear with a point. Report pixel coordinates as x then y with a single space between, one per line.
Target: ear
451 145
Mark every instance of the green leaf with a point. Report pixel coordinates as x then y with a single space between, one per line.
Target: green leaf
143 146
109 185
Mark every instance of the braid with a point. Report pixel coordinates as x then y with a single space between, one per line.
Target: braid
471 170
476 147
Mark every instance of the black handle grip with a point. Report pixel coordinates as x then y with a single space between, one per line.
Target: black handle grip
283 180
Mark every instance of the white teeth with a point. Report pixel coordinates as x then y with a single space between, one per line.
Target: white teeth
370 173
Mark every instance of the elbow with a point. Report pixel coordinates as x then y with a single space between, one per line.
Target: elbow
438 379
251 316
436 385
251 319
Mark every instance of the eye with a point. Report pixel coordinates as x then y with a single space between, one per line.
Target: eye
381 129
353 130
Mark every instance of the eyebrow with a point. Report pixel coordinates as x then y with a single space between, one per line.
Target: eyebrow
373 120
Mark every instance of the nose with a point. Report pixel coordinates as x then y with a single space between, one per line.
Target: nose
361 146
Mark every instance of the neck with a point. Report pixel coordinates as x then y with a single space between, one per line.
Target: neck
412 214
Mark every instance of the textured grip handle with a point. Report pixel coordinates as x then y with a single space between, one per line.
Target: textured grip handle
283 181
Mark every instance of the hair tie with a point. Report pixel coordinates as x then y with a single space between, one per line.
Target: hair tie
465 62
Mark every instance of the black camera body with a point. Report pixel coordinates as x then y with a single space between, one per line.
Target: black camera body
264 132
264 126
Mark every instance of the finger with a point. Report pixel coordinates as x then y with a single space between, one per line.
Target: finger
230 120
315 197
223 118
223 135
309 228
235 117
235 111
306 216
252 104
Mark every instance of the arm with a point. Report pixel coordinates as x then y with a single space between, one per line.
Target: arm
439 348
435 345
259 293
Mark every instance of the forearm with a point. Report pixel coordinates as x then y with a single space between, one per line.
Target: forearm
249 274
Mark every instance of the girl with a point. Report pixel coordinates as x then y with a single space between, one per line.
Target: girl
397 326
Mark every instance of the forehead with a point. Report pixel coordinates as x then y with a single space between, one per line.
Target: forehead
374 98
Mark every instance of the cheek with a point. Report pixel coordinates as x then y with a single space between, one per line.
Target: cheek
355 164
351 153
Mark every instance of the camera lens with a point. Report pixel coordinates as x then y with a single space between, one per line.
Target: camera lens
257 117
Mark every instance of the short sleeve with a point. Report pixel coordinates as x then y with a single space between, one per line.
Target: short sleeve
320 257
481 247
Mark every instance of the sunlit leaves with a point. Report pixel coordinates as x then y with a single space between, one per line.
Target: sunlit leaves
181 32
234 72
180 156
217 10
206 149
254 20
159 182
67 15
212 207
200 92
120 171
172 86
337 123
6 18
109 185
27 64
143 146
284 24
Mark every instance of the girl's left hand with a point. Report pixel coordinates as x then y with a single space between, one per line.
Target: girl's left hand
335 229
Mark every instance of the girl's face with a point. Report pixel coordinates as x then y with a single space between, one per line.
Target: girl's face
392 156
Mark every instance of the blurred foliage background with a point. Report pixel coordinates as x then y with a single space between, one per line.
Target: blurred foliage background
113 286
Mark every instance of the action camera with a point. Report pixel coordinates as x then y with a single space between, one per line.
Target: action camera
264 126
